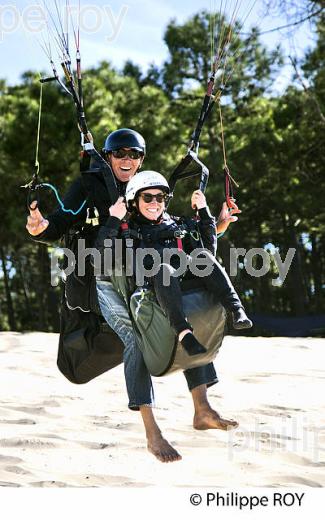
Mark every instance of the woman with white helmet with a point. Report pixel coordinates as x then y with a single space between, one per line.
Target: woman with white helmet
151 227
146 195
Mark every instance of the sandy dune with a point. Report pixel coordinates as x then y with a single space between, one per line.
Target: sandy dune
56 434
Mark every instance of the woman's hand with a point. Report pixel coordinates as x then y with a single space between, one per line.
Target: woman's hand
36 223
118 209
226 216
198 200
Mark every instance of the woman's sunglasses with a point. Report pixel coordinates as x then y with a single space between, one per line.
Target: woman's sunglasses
132 154
149 197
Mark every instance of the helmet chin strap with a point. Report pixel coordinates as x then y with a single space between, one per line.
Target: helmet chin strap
140 165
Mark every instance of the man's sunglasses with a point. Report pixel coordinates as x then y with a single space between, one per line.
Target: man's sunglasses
132 154
149 197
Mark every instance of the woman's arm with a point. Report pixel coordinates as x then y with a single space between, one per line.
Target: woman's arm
207 223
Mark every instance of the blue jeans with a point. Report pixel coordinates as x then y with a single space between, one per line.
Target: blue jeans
138 380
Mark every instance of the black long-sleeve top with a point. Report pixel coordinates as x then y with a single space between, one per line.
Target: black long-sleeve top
90 187
149 234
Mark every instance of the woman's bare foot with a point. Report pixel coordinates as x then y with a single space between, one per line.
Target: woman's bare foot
210 419
161 449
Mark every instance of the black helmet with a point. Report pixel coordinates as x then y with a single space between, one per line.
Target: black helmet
124 138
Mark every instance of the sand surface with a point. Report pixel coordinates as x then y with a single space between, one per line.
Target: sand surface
56 434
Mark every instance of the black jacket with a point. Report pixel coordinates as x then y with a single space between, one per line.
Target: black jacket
152 235
90 187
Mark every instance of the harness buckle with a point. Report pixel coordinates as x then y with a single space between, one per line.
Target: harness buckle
179 233
94 221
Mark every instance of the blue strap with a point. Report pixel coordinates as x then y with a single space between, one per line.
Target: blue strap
46 185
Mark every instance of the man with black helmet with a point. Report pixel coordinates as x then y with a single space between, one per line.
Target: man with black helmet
124 150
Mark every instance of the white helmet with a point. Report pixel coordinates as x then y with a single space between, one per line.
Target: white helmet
142 181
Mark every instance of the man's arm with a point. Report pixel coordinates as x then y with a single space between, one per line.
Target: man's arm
53 227
226 217
36 223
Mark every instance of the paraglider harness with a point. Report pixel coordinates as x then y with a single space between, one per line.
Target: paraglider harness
88 347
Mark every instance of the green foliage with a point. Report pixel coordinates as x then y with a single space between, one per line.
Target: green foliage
275 150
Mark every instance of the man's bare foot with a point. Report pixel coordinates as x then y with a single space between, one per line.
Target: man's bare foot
210 419
161 449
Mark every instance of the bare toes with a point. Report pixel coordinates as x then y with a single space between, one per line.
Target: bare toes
212 420
163 451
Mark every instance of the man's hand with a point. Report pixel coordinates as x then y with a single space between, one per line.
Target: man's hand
198 200
227 216
118 209
36 223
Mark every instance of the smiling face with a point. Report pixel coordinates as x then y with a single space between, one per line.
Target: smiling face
151 210
125 167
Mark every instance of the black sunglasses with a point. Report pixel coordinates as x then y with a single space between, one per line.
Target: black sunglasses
132 154
149 197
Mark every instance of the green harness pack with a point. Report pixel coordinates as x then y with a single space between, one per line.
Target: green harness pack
162 353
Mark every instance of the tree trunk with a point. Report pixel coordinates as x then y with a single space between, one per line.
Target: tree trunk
21 274
42 290
298 290
316 263
10 307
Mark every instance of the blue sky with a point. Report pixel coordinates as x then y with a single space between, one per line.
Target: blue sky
120 30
